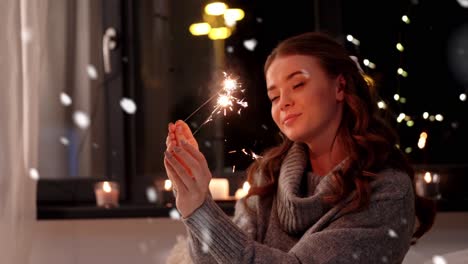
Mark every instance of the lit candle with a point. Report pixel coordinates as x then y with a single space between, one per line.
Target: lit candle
107 194
427 185
241 192
219 188
168 195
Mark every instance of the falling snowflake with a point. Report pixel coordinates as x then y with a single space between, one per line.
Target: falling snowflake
26 35
174 214
64 141
65 99
151 194
438 260
230 49
128 105
384 259
34 174
206 241
404 221
392 233
81 119
143 247
250 44
92 72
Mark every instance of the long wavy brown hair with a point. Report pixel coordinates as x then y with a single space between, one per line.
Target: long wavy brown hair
365 132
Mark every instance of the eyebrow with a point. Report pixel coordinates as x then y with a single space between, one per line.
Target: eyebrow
272 87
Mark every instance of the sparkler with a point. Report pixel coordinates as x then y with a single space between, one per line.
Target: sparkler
227 100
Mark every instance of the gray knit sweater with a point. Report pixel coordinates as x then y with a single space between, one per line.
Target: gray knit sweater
295 226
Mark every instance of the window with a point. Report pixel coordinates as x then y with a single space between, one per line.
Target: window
165 72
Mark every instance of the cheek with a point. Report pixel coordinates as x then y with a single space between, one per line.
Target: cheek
275 114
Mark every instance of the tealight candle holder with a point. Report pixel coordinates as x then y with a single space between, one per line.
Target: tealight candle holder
427 184
107 194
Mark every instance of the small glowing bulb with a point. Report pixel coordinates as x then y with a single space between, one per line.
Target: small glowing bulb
350 38
400 117
410 123
425 115
463 97
381 105
408 150
400 47
366 62
106 187
423 135
396 97
439 117
402 72
405 19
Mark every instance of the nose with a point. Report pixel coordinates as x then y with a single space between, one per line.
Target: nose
286 101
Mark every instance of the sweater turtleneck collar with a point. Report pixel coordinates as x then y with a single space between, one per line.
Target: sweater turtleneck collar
299 207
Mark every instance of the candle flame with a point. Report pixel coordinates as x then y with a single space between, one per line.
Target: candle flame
167 185
106 187
428 177
246 187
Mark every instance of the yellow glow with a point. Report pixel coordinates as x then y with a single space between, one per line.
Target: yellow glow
219 33
215 8
167 185
234 14
106 187
405 19
410 123
423 135
199 29
400 117
421 143
381 105
400 47
402 72
428 177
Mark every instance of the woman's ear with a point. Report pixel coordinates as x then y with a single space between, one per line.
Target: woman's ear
340 88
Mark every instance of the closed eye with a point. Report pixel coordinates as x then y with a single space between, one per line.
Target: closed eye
298 85
274 99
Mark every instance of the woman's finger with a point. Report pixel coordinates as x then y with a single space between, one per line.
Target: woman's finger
187 160
172 175
184 132
199 159
181 171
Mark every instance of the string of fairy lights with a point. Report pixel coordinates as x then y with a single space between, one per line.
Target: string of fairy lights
402 73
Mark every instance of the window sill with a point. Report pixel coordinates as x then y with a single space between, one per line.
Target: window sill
54 212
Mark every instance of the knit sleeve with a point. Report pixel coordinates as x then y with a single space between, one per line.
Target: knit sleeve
379 234
244 218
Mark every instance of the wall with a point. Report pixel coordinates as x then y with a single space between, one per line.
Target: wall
124 241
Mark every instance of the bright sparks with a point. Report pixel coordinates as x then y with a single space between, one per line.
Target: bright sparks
227 99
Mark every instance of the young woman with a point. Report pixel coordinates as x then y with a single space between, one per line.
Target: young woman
337 190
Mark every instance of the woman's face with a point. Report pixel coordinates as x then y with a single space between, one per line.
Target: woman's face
305 101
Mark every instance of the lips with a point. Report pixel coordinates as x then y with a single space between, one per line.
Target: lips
290 118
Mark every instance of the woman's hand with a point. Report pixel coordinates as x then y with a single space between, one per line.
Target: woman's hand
180 131
187 169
